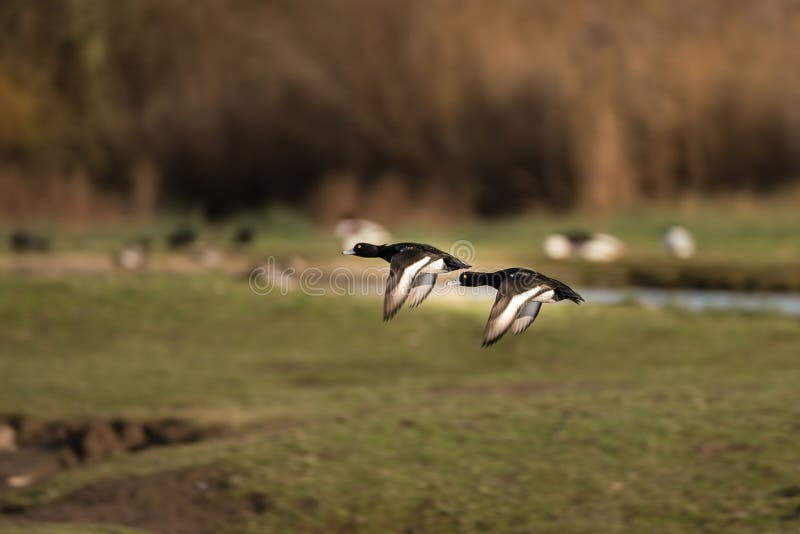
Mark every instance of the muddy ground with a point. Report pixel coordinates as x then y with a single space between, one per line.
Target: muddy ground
190 501
34 449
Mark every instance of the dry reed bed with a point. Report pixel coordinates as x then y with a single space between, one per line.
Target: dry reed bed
499 105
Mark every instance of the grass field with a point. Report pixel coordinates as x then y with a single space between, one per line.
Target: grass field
613 419
748 232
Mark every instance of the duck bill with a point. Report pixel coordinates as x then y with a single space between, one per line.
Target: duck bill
455 282
349 252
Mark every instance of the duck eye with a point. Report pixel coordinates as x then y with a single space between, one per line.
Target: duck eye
358 246
464 276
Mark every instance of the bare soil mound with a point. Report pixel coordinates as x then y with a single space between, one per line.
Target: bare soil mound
187 501
34 449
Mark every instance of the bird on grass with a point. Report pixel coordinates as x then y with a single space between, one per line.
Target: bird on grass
181 237
587 246
25 241
244 235
413 268
520 295
134 255
352 230
678 242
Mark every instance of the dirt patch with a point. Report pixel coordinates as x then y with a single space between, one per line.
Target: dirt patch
522 389
197 500
509 389
712 449
35 448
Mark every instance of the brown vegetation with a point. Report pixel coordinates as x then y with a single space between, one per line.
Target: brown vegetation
501 104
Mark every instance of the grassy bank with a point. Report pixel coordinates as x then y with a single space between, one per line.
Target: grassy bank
656 421
741 245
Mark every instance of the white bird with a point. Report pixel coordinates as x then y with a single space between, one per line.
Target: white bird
679 243
131 257
591 247
352 231
206 256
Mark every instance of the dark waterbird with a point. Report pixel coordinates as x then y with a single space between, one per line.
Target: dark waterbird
520 295
413 268
25 241
244 235
181 237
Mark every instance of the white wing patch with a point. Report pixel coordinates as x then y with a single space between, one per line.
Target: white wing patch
396 293
546 296
500 322
526 316
436 266
421 288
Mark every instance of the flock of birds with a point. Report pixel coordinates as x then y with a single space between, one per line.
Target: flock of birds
414 267
677 242
134 255
594 247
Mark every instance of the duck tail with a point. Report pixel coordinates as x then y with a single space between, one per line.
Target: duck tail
455 264
567 293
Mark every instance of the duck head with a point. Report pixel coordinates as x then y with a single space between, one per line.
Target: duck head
365 250
472 279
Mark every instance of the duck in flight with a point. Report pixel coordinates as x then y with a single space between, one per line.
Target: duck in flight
520 295
413 268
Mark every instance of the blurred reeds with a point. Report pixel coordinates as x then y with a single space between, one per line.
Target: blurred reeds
370 106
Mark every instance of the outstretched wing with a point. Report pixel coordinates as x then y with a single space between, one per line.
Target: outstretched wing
512 295
403 268
505 310
421 287
526 317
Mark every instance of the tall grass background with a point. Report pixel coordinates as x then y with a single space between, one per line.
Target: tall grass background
375 107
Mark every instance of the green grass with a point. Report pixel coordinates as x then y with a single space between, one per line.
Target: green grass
615 419
756 233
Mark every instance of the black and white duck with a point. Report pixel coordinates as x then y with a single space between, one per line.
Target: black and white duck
587 246
413 268
520 295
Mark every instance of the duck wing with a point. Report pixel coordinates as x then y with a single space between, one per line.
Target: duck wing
512 295
450 262
504 311
421 287
527 279
526 316
403 269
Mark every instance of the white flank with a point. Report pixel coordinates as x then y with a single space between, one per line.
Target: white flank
547 296
435 267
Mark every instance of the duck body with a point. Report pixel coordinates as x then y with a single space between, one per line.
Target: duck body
413 269
520 295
